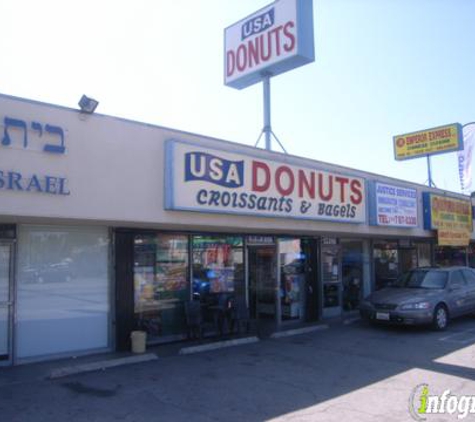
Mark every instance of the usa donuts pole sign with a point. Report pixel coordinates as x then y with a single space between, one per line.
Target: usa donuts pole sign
427 142
273 40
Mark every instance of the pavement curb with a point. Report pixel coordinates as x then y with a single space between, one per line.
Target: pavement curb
217 345
297 331
100 365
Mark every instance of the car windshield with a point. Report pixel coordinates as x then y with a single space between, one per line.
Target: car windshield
423 279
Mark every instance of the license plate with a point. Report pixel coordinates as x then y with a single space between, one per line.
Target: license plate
384 316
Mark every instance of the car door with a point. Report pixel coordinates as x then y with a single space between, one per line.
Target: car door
469 275
457 294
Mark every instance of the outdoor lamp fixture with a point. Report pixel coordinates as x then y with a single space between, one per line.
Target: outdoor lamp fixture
87 105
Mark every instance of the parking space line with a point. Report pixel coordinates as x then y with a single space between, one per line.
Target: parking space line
459 336
298 331
447 337
462 341
469 330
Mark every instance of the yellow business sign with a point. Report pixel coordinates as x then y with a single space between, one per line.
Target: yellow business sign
428 142
451 217
452 237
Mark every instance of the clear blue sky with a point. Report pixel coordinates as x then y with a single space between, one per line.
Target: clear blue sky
383 67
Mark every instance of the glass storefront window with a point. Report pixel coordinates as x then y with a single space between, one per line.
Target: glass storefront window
446 256
424 258
471 255
160 284
218 270
218 278
5 255
62 290
292 279
352 273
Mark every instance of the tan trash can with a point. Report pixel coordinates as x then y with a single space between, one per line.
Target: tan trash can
139 340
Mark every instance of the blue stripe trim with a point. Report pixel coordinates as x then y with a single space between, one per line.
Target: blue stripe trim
426 199
169 180
372 203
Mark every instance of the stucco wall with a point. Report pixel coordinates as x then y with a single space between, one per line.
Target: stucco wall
115 175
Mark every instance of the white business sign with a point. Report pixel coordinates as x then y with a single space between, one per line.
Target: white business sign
216 181
393 206
271 41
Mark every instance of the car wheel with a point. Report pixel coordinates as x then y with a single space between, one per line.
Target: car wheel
441 318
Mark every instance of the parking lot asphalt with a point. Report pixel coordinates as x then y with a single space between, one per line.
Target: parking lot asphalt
353 371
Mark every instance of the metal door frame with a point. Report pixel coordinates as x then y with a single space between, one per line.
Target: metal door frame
276 275
10 303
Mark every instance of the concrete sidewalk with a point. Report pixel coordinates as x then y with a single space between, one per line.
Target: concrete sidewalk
60 368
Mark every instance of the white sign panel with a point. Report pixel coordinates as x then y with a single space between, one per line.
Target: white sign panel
273 40
393 206
216 181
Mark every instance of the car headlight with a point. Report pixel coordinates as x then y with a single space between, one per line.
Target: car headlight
416 305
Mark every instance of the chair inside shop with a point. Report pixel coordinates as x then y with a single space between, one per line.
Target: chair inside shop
241 316
223 313
194 319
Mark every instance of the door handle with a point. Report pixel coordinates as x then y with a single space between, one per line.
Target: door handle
6 303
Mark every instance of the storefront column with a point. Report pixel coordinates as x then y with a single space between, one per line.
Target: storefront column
367 269
277 295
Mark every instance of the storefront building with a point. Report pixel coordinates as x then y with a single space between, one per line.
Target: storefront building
109 225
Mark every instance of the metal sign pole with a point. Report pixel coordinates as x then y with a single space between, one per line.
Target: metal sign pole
267 126
267 129
430 183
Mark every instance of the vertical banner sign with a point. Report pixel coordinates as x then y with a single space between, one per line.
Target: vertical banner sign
216 181
465 157
275 39
392 205
451 217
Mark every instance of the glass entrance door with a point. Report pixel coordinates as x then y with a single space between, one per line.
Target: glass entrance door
262 283
293 287
5 302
